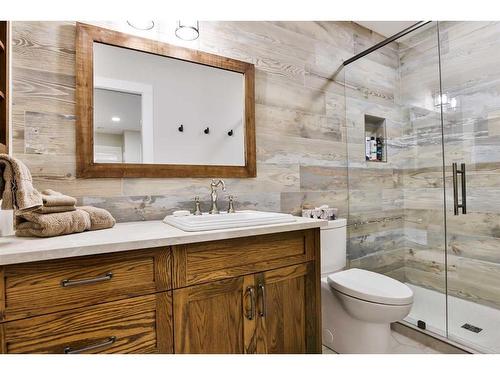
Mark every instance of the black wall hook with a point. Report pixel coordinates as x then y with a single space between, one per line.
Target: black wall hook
181 128
230 133
207 130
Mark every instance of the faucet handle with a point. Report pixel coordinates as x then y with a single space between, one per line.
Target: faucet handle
197 209
231 209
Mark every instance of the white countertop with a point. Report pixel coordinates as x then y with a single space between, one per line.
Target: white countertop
128 236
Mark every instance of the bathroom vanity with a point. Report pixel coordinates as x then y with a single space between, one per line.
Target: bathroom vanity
147 287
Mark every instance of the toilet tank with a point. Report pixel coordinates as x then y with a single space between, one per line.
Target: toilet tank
333 246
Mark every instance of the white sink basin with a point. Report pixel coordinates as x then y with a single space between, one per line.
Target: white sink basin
238 219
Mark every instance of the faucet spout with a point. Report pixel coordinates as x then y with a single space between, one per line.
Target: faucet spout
213 193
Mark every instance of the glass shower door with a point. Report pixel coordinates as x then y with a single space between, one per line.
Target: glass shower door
421 165
470 99
396 201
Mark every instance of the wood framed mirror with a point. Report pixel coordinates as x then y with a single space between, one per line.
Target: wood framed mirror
151 109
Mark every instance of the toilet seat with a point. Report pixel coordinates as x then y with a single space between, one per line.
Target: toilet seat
371 287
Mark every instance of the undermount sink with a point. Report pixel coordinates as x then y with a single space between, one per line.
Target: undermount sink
247 218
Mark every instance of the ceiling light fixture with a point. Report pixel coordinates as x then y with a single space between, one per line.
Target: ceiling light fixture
115 119
141 25
187 30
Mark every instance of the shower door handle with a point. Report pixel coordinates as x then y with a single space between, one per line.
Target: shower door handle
456 205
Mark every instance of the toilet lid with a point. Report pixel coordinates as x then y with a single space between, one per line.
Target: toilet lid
371 286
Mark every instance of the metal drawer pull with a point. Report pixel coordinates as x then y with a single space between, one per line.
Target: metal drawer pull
250 315
262 294
68 282
109 341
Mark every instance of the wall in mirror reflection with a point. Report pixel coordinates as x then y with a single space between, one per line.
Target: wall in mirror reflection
157 110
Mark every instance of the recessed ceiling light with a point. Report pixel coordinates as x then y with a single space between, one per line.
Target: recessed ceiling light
189 30
141 25
115 119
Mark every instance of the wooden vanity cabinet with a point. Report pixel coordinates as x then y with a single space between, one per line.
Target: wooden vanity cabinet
256 294
270 312
267 302
107 303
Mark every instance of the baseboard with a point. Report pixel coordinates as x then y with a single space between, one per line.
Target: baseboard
429 339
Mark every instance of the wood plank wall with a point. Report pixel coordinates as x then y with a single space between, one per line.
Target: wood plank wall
301 138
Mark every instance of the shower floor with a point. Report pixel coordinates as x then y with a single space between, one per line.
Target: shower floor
430 307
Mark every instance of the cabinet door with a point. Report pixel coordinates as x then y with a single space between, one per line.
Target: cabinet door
287 310
211 318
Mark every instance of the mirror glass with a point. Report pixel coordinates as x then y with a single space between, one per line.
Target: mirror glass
154 109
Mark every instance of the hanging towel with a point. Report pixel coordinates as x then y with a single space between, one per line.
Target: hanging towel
16 186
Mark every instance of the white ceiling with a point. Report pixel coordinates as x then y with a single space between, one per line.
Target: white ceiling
386 28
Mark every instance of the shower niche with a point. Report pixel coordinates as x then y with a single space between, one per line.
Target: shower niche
375 139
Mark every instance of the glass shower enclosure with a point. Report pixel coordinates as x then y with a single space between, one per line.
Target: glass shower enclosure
422 122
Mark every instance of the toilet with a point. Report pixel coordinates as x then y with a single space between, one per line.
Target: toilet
358 306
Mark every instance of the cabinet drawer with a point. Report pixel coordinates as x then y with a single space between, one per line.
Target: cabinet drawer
209 261
44 287
135 325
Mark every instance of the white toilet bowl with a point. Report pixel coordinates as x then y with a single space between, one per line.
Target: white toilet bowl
358 307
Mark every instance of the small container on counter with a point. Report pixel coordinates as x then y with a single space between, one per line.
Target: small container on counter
323 212
6 223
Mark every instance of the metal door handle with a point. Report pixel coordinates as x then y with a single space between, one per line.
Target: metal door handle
250 315
262 297
109 341
456 205
464 190
67 282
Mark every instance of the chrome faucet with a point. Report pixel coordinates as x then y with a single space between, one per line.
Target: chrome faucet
213 186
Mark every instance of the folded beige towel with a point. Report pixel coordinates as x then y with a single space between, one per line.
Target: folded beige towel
16 186
55 209
34 224
99 217
53 198
54 202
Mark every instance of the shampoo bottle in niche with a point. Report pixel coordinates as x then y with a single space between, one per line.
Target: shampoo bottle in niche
368 148
373 149
380 149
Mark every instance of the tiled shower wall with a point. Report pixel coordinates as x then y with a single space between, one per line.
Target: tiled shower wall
300 111
399 207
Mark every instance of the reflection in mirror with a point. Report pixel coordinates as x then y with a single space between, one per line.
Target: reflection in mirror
156 110
117 121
